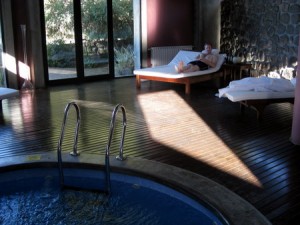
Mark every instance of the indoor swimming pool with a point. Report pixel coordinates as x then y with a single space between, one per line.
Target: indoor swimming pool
142 192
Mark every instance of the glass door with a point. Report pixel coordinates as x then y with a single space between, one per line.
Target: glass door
76 38
85 37
95 37
60 39
123 30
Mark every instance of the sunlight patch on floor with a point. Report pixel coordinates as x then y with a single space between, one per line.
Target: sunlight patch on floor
189 134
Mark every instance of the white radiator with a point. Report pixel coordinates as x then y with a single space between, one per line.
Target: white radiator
164 55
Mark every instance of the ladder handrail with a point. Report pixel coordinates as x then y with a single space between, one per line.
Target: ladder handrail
74 152
107 152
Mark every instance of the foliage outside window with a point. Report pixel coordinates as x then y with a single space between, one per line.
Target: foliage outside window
60 30
124 60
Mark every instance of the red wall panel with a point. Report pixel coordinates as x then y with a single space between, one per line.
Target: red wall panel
169 22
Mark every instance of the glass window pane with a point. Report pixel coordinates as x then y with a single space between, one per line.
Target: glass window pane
123 37
94 37
60 41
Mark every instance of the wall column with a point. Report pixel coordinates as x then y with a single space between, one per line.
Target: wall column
8 37
35 44
295 137
208 23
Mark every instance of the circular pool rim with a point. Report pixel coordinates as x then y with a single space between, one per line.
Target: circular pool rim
232 207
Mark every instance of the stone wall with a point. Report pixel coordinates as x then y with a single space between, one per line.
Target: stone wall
263 32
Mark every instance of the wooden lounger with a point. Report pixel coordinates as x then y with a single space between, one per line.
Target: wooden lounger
167 73
259 105
187 81
259 100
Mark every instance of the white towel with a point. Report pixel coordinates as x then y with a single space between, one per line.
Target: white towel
262 84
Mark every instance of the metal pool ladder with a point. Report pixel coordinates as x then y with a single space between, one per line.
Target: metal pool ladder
74 152
107 150
111 131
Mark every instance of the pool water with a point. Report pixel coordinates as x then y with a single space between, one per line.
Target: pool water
34 197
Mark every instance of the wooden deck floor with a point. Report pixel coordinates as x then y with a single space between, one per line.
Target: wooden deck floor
200 133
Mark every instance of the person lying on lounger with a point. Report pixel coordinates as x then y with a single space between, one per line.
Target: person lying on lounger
203 61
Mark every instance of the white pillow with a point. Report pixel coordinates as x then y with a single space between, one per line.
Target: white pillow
213 51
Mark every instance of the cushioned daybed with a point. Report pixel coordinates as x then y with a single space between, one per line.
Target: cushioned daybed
7 93
167 73
257 93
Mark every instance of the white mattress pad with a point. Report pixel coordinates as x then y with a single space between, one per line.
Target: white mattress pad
169 71
8 93
253 88
236 96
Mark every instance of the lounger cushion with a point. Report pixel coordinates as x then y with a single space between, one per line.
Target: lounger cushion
8 93
258 88
168 71
236 96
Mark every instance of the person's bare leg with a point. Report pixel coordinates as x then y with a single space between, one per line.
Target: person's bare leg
179 67
190 68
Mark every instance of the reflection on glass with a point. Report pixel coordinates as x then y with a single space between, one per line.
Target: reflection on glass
123 37
94 37
59 22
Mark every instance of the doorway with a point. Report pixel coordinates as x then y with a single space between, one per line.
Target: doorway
89 39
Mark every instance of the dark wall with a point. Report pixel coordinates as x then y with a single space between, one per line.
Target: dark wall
169 22
19 13
265 31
